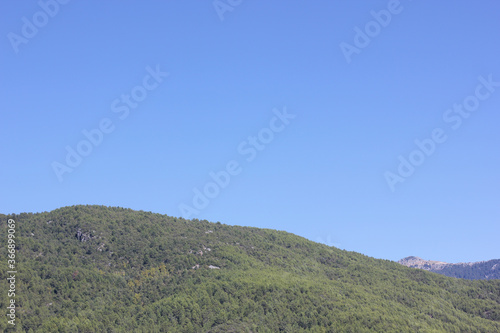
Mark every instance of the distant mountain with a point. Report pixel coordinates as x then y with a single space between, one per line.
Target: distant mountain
109 269
481 270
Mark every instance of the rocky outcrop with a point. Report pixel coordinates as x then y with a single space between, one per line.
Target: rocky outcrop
83 236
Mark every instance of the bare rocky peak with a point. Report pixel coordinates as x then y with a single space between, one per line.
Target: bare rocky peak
417 262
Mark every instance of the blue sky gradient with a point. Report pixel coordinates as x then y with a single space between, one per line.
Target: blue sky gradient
234 67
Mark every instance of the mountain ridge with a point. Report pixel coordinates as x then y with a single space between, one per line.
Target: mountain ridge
479 270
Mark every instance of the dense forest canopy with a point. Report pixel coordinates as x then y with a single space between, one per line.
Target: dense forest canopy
109 269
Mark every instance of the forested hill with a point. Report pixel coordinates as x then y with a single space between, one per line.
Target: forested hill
100 269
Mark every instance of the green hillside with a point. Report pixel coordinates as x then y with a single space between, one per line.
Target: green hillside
100 269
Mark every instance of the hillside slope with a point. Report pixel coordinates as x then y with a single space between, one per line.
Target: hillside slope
482 270
100 269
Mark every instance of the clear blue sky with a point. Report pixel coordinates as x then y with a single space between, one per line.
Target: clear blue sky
321 175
